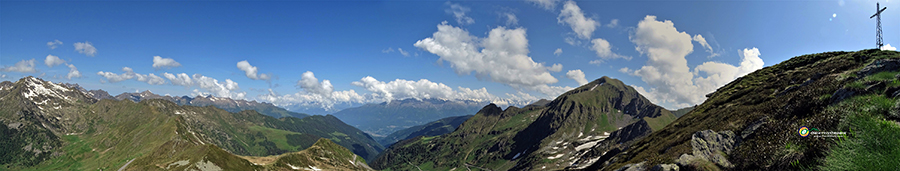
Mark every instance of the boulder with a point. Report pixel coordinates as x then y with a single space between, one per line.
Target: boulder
881 65
633 167
711 146
665 167
842 94
750 129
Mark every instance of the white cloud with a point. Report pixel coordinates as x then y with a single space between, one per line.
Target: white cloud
113 77
53 61
24 66
572 15
596 62
151 78
310 83
73 72
85 48
572 41
550 91
719 74
180 79
404 53
888 47
555 68
626 70
322 94
578 76
672 83
613 23
160 62
225 89
511 19
53 44
604 50
502 56
558 51
705 45
459 12
251 70
546 4
388 50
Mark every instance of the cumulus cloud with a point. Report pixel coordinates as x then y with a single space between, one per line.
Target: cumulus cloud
578 76
596 62
73 72
180 79
85 48
111 77
23 66
546 4
558 51
310 83
613 23
459 12
322 94
224 89
671 82
888 47
604 50
572 15
555 68
501 57
53 61
705 45
160 62
53 44
251 70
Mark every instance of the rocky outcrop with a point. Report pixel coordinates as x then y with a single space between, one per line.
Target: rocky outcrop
881 65
710 146
633 167
665 167
750 129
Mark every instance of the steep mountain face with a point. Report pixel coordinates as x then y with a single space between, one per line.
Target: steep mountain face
227 104
380 120
752 123
435 128
52 127
536 137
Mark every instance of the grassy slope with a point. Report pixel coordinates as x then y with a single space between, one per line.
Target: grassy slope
765 93
434 128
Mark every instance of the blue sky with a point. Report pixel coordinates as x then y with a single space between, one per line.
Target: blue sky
450 49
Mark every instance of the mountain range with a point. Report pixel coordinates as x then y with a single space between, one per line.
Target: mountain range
382 119
434 128
54 127
227 104
545 136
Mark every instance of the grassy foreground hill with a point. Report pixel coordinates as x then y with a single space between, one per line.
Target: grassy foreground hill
52 127
536 137
753 122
